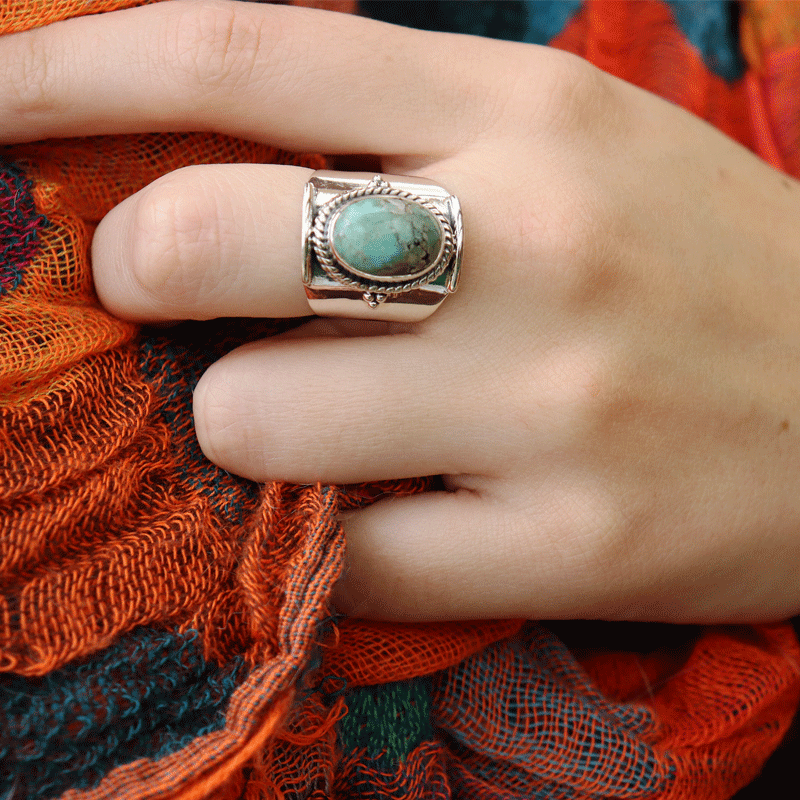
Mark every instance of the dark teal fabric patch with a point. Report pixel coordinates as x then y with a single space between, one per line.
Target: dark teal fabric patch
387 721
547 18
389 749
712 26
20 224
514 20
148 695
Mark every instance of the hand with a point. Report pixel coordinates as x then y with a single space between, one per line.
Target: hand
613 394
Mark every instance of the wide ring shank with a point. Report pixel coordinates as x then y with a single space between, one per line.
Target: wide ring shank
335 291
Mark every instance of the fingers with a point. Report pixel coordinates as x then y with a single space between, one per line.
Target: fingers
301 78
418 558
335 410
437 556
205 242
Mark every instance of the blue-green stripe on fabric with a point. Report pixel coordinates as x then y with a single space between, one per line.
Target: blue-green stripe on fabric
144 697
710 25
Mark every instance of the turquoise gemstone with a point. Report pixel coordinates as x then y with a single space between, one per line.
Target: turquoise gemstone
386 237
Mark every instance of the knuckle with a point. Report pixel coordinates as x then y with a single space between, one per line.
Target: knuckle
571 96
174 231
216 45
575 240
612 507
574 94
29 76
577 379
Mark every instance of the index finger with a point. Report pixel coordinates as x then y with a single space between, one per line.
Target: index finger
299 78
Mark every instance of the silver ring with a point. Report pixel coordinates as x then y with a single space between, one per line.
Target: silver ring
384 247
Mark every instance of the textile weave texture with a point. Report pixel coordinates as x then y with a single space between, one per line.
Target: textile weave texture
165 628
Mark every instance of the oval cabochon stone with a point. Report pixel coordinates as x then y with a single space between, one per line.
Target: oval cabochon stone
386 237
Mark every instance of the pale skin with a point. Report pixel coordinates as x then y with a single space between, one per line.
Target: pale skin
612 395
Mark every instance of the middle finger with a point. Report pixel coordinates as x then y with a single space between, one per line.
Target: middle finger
298 78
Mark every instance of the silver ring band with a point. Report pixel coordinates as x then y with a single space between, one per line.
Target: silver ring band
382 247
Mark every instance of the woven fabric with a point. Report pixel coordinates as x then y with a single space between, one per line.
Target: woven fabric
164 626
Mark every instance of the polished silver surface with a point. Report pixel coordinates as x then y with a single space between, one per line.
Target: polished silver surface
336 289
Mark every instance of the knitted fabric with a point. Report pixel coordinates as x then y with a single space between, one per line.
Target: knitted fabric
165 630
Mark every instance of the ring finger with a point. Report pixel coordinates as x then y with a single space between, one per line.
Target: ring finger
205 242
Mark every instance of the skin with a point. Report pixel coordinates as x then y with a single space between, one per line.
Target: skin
613 393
